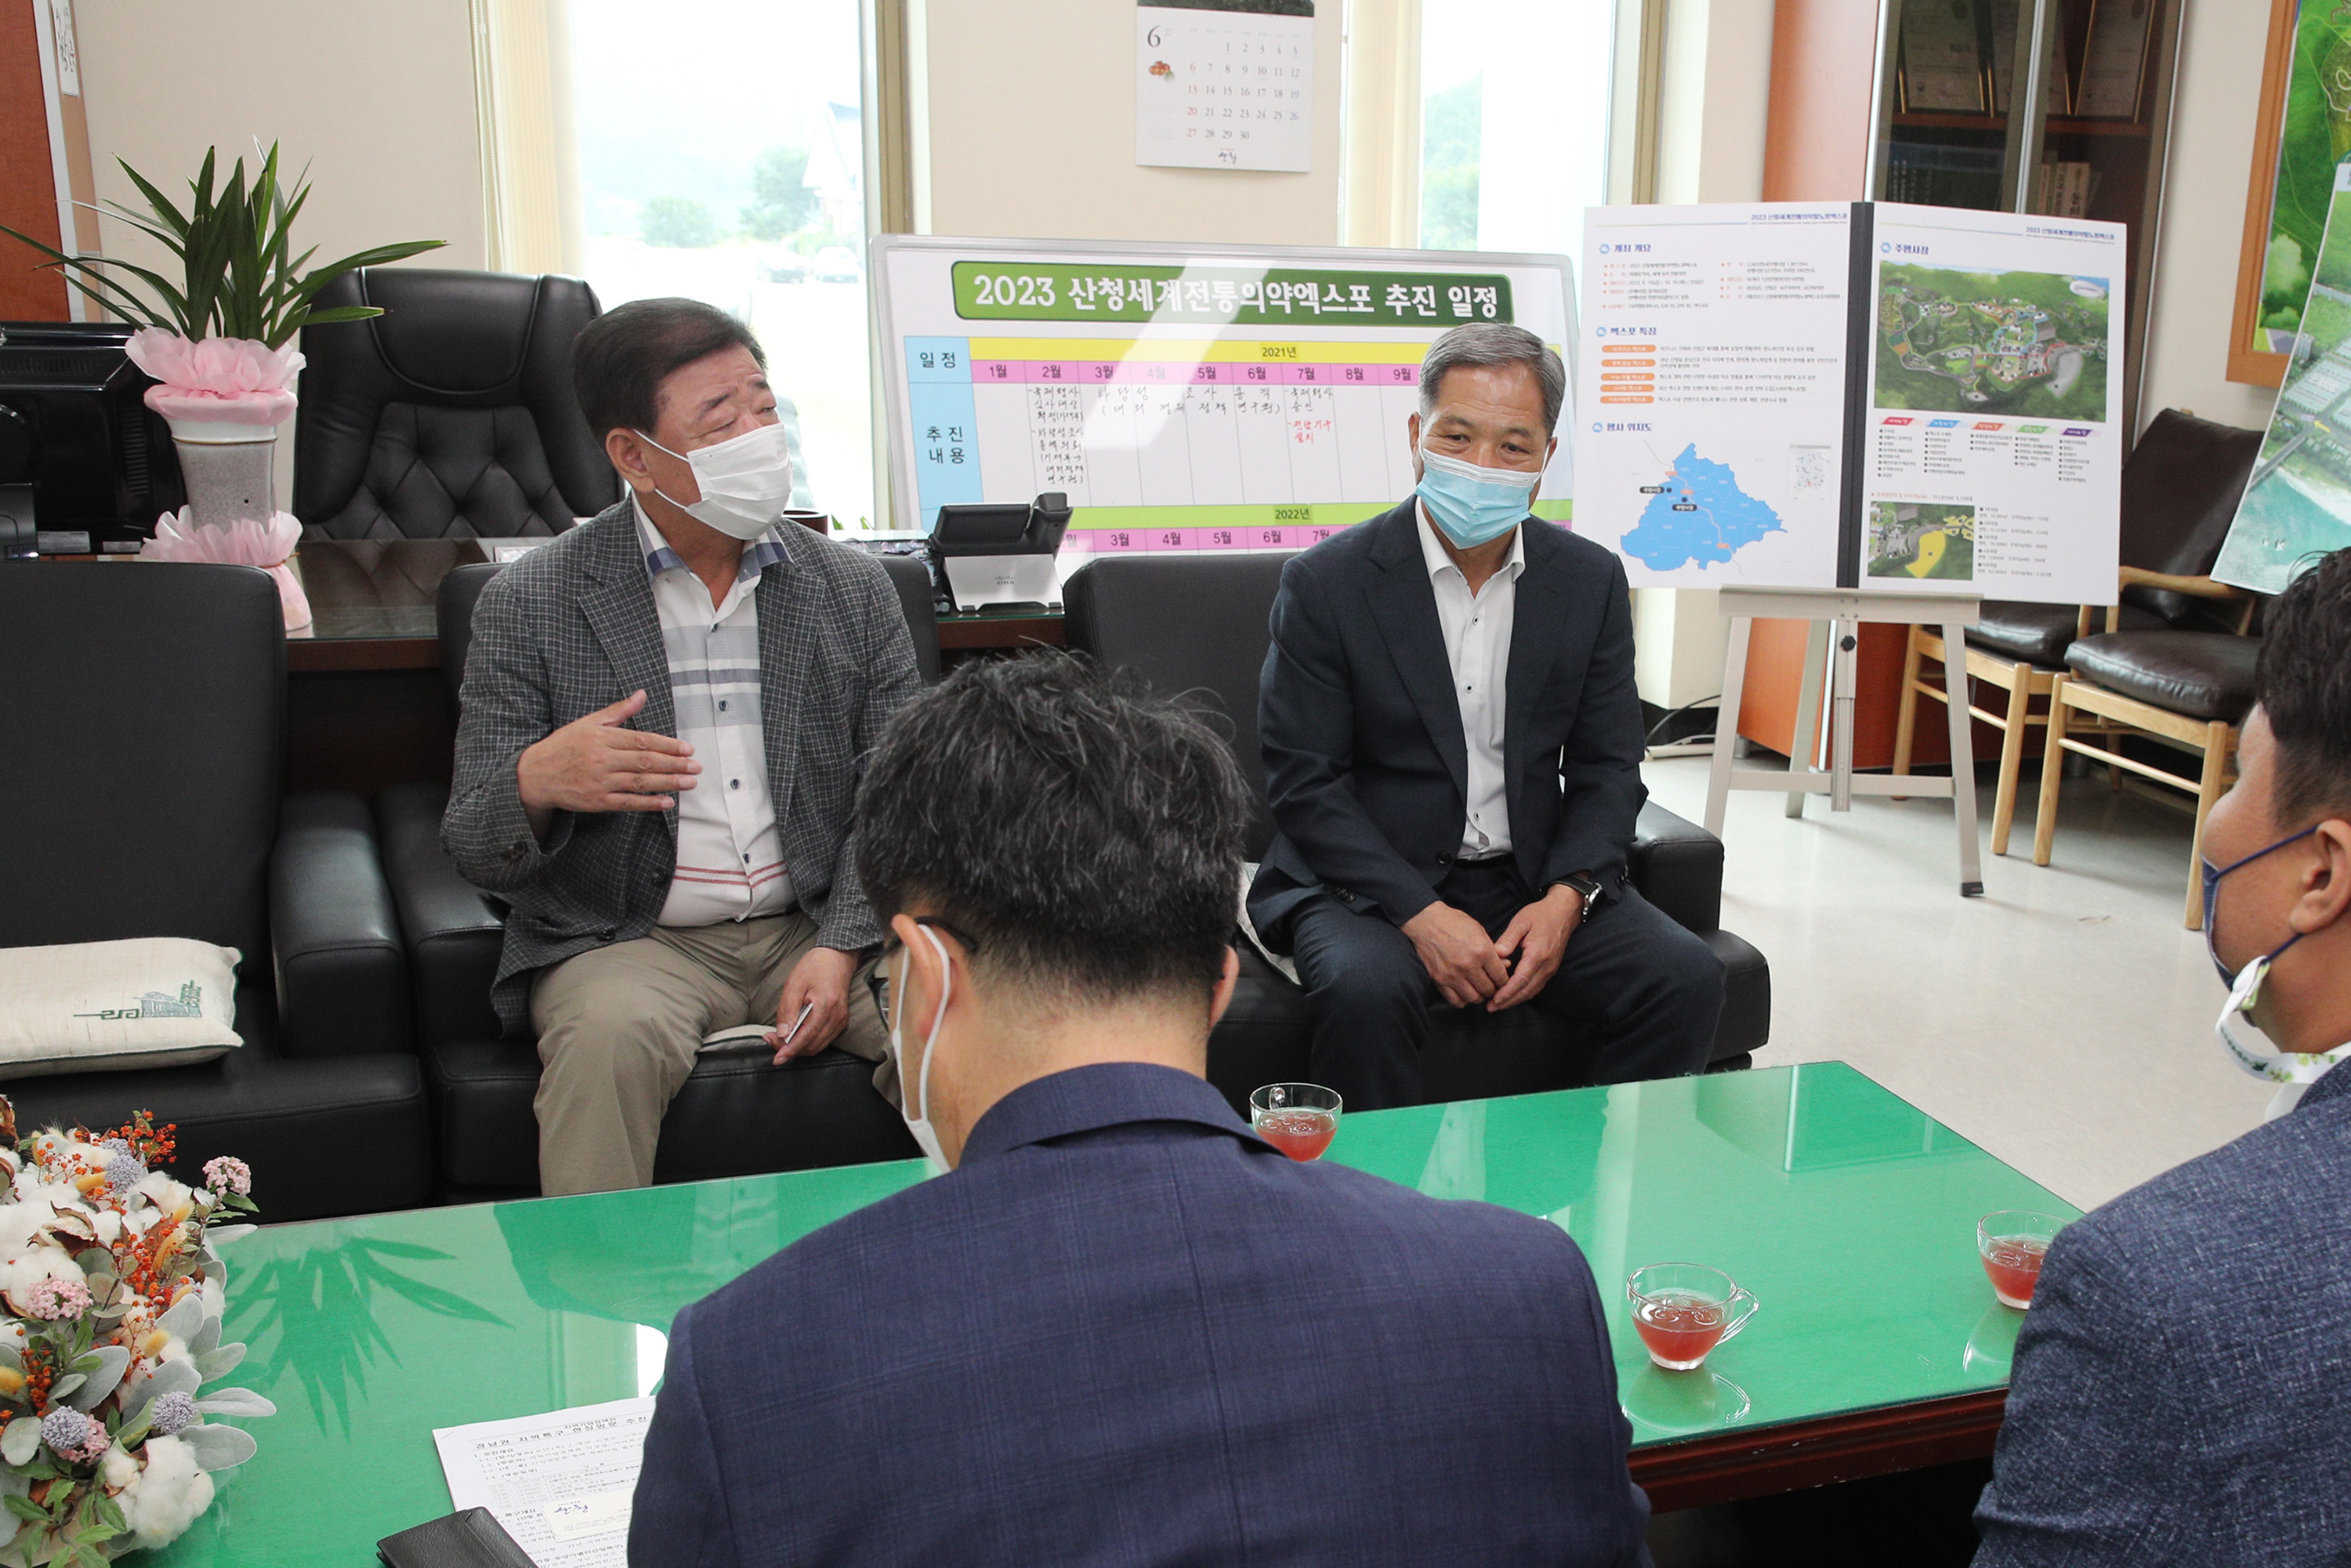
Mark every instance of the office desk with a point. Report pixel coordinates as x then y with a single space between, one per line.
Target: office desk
364 697
1848 1213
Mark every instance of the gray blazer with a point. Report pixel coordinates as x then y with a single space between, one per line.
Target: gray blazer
2182 1391
572 627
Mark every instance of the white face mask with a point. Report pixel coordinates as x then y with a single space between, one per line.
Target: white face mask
746 481
915 1094
2251 1050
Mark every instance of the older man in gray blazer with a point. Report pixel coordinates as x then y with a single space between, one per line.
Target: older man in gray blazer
664 715
2180 1394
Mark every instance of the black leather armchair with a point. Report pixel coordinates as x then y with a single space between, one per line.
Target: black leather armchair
1199 625
156 696
452 414
736 1115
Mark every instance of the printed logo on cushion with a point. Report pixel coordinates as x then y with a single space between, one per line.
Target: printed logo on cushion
188 1004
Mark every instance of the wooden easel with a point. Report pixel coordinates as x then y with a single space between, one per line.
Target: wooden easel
1836 615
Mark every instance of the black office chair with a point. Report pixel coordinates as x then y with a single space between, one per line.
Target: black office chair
452 414
1199 624
158 696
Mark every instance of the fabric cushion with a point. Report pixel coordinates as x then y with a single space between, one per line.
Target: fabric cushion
2040 634
152 1001
2203 675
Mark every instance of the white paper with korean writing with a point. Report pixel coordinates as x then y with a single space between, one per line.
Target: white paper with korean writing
560 1483
1184 398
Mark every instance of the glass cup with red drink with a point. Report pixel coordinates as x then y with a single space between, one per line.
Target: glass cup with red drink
2011 1243
1682 1310
1299 1119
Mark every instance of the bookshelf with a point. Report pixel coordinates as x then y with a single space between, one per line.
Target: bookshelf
2041 106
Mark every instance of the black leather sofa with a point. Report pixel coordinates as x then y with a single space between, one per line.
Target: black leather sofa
1198 625
148 706
1186 626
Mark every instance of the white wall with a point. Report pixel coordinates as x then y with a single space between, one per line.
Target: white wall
1715 101
2211 149
379 102
1030 127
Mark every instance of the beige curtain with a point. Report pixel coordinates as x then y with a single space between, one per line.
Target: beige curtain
530 160
1379 180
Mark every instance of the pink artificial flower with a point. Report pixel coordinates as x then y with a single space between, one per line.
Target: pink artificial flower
223 381
179 537
226 1172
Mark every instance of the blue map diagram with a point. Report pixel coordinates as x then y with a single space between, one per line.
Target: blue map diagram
1697 516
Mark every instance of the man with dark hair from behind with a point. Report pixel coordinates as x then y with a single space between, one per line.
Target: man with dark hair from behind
1120 1329
2180 1394
663 717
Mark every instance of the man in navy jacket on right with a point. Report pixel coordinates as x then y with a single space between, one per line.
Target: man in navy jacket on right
2180 1392
1120 1329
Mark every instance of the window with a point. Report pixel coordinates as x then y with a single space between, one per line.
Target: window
1515 119
721 156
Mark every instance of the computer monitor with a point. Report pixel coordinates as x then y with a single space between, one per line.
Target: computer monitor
83 460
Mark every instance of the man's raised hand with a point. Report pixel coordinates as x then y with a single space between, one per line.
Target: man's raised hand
593 765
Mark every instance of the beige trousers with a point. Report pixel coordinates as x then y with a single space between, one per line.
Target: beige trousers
618 1029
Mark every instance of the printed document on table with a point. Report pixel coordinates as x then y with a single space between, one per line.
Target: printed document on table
560 1483
1711 404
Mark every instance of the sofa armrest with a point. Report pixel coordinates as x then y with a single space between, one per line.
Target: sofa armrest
342 976
1678 866
454 930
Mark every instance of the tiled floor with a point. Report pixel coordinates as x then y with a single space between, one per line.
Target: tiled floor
2063 1020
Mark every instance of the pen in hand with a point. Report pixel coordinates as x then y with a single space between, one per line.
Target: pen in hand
784 1046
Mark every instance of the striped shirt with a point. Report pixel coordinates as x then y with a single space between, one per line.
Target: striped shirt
730 856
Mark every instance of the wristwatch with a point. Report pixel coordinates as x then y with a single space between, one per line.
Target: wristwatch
1586 889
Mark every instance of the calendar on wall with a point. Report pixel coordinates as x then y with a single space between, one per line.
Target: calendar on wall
1182 397
1224 85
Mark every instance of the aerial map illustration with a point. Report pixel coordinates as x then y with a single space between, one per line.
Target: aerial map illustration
1697 516
1922 539
1991 342
2298 504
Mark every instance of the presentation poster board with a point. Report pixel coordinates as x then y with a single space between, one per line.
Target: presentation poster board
1183 397
1854 395
2297 504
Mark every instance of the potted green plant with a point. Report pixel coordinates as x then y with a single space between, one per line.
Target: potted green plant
218 342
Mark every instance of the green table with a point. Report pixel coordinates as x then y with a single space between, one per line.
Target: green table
1847 1212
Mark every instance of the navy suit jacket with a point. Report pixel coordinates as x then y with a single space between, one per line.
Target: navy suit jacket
1126 1332
2182 1389
1365 760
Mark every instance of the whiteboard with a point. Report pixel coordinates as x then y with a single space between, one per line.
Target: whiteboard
1185 397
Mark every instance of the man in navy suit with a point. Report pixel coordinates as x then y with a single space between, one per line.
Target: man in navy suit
2180 1393
1453 751
1120 1329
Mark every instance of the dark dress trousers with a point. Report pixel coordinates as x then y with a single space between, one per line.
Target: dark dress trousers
1367 769
2182 1384
1125 1333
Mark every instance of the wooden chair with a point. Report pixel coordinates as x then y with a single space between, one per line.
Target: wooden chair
2021 679
2179 491
2186 689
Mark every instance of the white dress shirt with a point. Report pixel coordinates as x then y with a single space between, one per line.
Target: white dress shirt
1477 645
730 855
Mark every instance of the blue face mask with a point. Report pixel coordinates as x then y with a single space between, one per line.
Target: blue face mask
1473 506
2212 875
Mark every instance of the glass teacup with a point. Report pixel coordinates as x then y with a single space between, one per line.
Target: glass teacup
1299 1119
2012 1242
1682 1310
